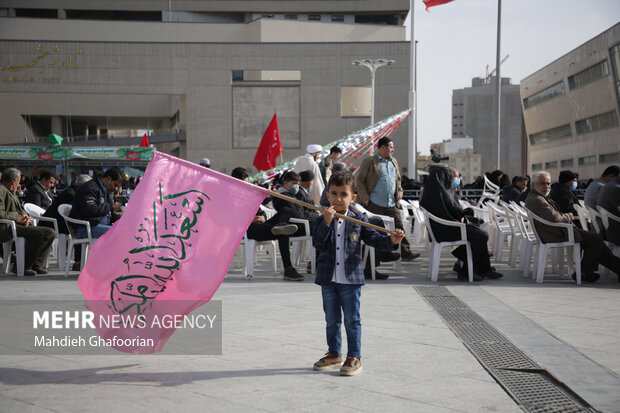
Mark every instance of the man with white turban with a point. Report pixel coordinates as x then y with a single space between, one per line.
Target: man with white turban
308 162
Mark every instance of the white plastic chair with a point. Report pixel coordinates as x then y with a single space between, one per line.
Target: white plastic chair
59 247
405 217
20 249
64 210
502 229
605 217
419 229
369 252
517 236
249 254
528 242
435 255
489 191
302 245
543 247
584 216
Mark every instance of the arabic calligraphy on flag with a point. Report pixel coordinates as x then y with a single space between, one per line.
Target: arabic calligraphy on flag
169 252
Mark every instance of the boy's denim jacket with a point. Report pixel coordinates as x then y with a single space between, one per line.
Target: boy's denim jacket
323 241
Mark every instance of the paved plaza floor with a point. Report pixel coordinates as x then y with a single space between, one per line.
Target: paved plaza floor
273 331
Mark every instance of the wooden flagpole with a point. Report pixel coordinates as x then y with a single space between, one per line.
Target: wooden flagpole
321 209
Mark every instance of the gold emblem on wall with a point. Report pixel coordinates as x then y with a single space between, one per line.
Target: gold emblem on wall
52 67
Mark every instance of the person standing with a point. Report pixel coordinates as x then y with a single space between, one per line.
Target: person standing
38 239
308 163
379 188
339 272
327 162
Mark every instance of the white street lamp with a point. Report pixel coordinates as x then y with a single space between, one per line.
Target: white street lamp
372 65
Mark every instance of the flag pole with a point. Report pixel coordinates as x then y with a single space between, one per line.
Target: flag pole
412 167
498 80
321 209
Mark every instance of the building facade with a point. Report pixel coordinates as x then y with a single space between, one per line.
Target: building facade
208 75
570 109
474 115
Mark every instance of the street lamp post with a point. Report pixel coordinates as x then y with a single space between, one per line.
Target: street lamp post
372 65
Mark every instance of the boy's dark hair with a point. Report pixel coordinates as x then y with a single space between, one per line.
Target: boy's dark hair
114 173
240 173
383 141
342 178
291 176
335 149
518 179
47 175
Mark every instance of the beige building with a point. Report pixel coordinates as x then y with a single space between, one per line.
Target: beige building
205 76
571 108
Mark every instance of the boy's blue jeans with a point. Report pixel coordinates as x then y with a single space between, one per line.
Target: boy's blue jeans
338 299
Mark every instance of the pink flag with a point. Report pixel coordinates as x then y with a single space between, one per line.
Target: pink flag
170 251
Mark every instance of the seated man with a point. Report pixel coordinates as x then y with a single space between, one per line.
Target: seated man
590 197
94 203
609 199
562 192
39 192
268 230
38 239
516 188
595 251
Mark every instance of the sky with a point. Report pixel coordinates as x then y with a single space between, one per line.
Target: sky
457 40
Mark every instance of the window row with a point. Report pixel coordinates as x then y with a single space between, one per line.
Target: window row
604 158
588 75
588 125
545 94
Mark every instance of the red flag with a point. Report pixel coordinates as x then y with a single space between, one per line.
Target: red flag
144 143
431 3
270 147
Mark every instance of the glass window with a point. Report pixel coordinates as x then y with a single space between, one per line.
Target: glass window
314 17
537 167
567 163
545 94
609 157
587 160
338 18
237 75
290 16
551 135
589 75
596 123
551 165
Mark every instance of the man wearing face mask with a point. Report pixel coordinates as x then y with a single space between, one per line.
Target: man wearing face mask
287 209
562 192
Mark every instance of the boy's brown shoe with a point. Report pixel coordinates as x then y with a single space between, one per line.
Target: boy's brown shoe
351 367
331 361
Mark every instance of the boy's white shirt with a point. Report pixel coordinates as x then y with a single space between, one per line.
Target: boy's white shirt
339 275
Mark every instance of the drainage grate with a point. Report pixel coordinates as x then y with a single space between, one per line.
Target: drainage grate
533 388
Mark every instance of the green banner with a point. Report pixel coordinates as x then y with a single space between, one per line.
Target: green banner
62 153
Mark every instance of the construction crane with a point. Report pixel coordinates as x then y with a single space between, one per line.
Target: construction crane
487 76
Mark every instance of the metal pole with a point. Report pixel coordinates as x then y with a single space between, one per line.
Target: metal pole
413 143
372 95
498 80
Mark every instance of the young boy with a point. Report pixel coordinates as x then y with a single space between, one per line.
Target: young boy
340 272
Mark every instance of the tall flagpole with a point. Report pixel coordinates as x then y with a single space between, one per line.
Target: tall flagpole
498 81
413 144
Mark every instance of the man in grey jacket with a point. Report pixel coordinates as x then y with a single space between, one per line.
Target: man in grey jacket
595 251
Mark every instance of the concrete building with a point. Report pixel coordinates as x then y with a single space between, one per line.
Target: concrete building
205 75
461 155
571 108
474 115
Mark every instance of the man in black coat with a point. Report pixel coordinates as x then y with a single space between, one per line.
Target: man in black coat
609 198
562 192
94 202
515 189
39 192
38 239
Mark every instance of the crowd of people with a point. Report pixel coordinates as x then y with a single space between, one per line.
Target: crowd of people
92 199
